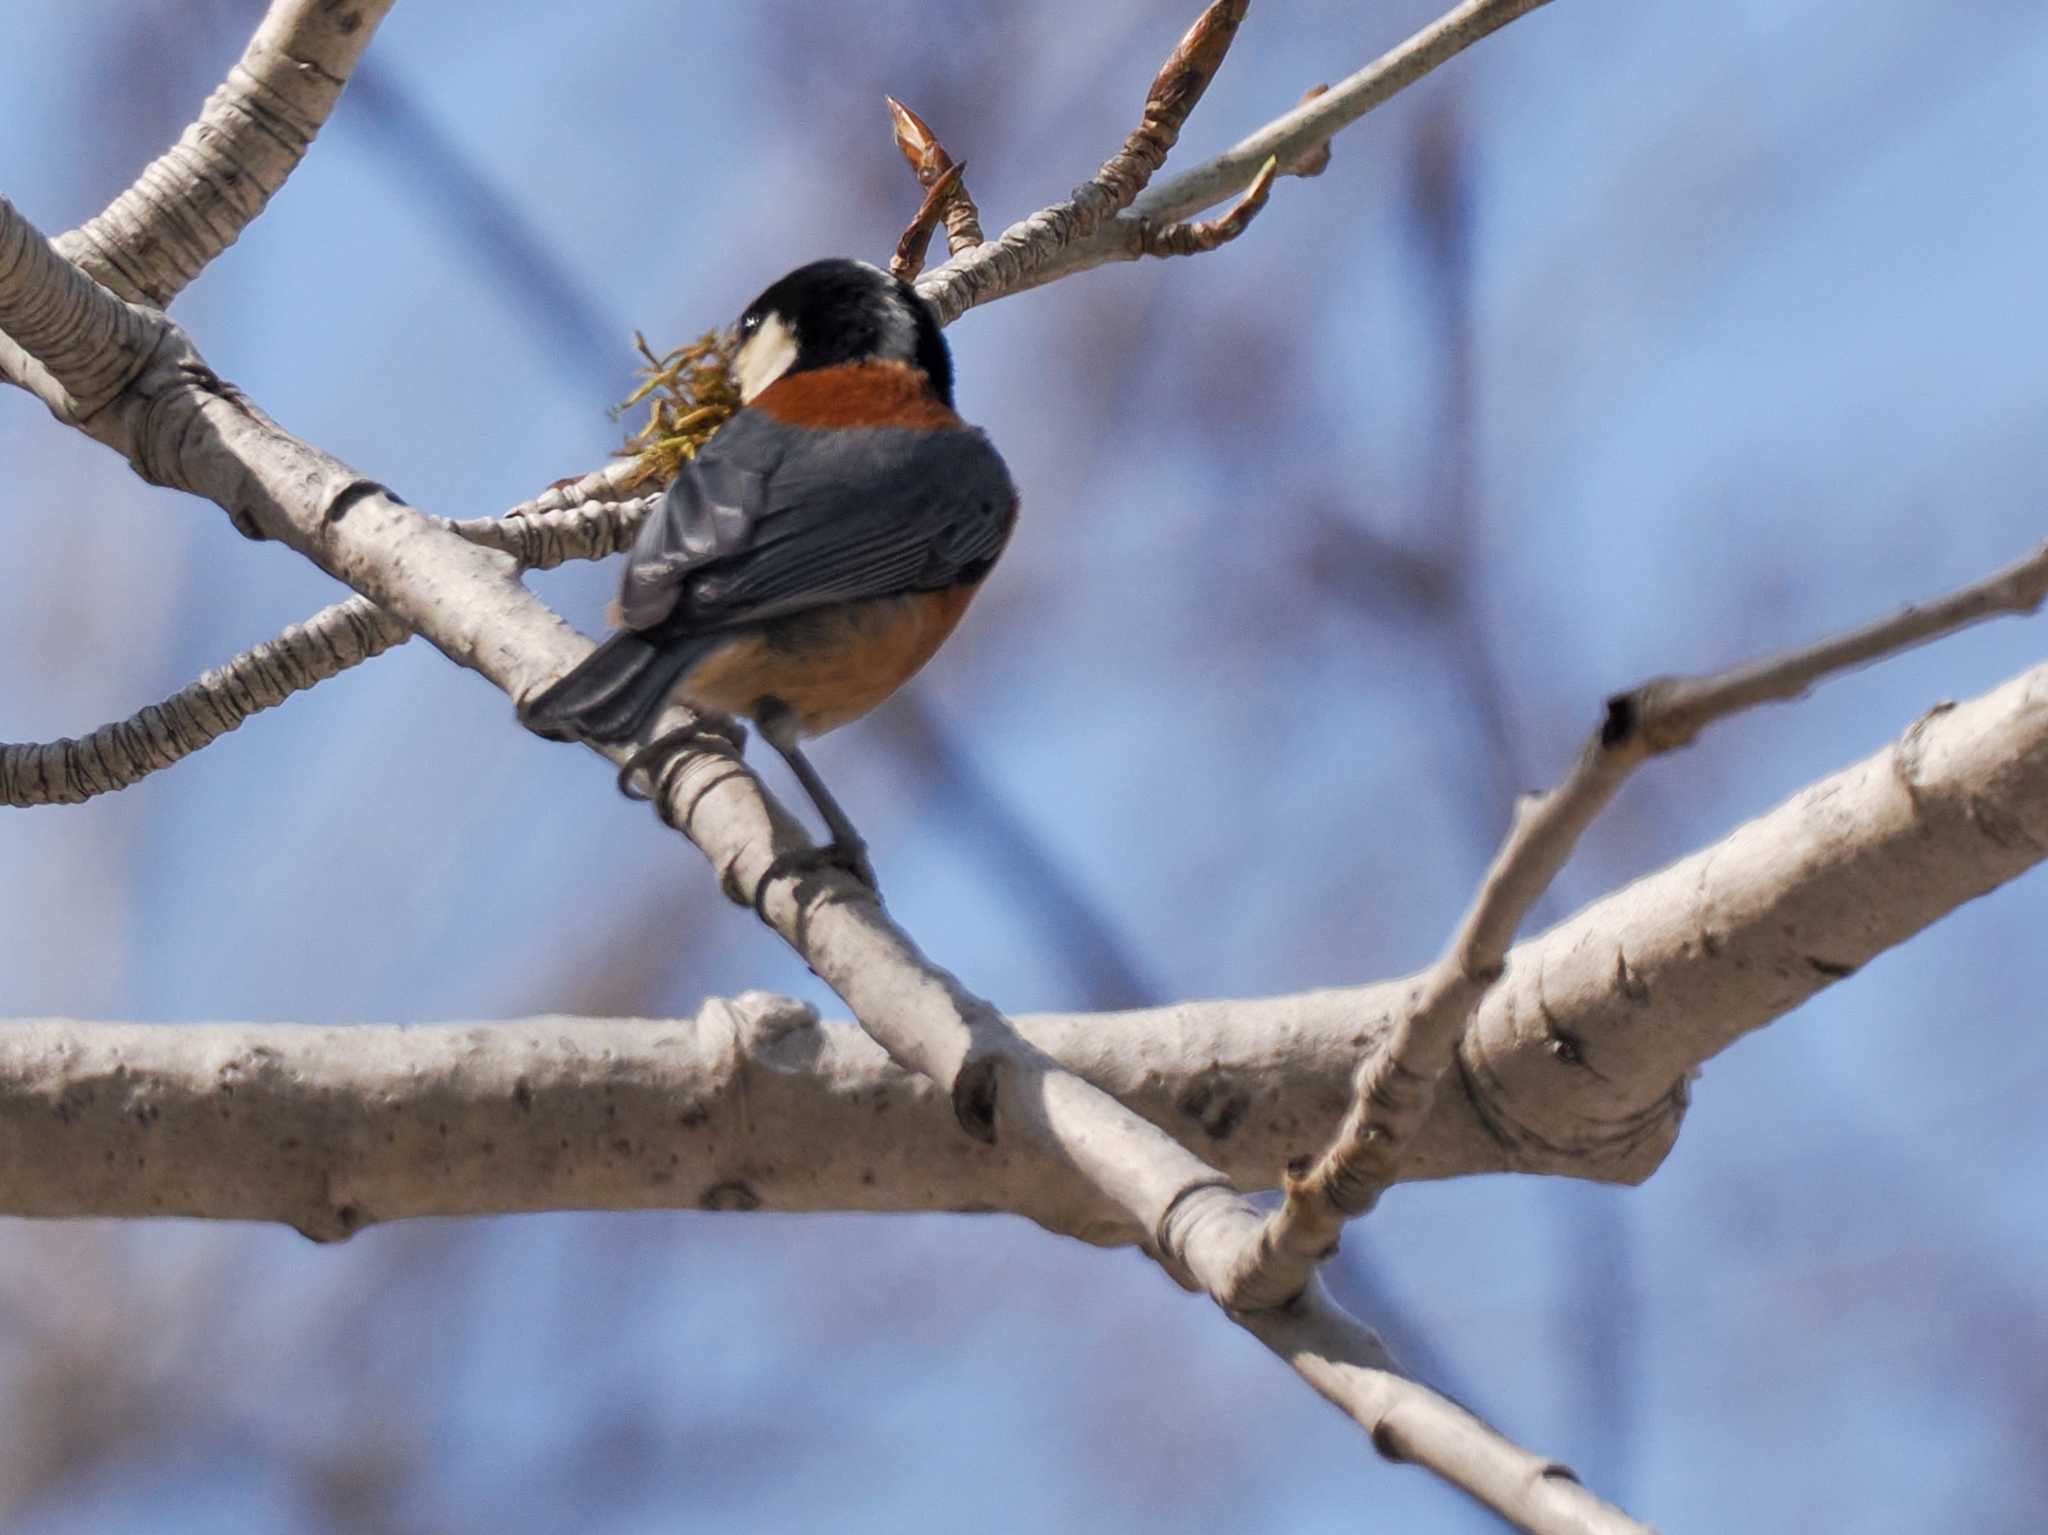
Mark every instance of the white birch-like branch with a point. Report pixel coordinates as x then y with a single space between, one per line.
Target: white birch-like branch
193 201
1398 1076
1576 1065
340 636
71 771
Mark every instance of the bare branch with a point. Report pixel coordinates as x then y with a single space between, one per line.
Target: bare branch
195 199
614 479
1670 711
1014 259
338 637
1397 1081
1314 160
908 260
1047 245
1181 83
61 335
1197 239
1576 1065
1297 138
68 772
1350 1367
120 754
541 540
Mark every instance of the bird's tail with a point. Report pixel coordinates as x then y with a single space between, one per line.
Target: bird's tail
613 693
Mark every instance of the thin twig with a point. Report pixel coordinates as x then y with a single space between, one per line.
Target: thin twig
1046 245
908 259
1320 115
929 161
68 772
338 637
1182 239
1396 1084
1014 259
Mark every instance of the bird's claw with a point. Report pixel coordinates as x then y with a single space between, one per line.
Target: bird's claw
717 732
852 856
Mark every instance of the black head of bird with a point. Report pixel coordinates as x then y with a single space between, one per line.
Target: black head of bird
835 312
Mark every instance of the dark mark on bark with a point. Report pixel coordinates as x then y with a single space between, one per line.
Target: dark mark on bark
733 1194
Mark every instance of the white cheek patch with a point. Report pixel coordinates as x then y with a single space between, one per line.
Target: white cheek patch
764 357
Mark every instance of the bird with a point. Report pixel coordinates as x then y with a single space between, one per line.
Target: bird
817 550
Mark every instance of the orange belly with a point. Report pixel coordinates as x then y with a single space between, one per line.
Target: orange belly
830 665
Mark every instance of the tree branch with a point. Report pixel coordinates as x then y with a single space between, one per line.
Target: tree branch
1397 1079
195 199
63 337
1048 245
1350 1368
1576 1064
70 772
338 637
946 193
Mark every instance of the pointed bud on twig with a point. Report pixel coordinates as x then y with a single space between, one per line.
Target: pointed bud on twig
947 198
922 151
1192 64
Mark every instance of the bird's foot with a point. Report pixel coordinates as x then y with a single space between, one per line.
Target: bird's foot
848 853
713 731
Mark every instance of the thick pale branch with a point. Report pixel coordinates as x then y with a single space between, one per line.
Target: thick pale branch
1397 1081
1575 1066
194 200
1350 1367
62 336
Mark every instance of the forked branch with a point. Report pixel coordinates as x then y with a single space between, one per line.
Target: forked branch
1396 1083
195 199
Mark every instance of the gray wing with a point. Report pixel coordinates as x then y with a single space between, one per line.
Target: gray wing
771 519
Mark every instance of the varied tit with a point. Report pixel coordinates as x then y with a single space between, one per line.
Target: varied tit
818 549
